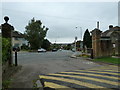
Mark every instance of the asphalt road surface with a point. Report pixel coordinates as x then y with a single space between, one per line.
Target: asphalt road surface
35 64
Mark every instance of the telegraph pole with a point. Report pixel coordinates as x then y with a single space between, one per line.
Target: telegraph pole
75 44
80 34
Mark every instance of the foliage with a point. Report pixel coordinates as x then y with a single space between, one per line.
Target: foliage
6 84
87 40
67 47
5 49
35 33
108 60
46 44
55 46
24 47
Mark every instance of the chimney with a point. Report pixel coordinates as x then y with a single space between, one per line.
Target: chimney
98 25
110 27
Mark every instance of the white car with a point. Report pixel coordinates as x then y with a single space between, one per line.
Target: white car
41 50
73 49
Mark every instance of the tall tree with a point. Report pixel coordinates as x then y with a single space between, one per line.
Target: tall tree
87 40
46 44
35 33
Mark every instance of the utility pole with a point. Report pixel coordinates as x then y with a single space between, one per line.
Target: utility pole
75 44
80 35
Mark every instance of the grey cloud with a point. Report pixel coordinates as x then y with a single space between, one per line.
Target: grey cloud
62 18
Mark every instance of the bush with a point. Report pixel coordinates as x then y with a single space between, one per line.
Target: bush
5 49
25 47
6 84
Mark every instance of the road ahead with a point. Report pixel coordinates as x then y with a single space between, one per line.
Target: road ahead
35 64
32 58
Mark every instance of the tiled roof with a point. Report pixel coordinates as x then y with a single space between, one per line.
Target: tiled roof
109 32
17 34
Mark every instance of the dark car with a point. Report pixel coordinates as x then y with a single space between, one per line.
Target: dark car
54 50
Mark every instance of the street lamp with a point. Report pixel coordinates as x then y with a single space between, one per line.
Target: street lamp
81 34
80 31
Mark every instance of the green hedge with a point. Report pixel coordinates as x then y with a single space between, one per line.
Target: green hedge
5 49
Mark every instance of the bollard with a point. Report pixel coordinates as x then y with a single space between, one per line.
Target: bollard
16 58
92 54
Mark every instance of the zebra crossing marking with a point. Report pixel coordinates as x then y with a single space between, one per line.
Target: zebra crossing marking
54 85
73 81
101 72
90 74
90 78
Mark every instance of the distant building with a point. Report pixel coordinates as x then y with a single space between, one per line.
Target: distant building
18 39
61 45
106 43
79 45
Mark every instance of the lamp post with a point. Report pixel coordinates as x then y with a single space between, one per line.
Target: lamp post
81 34
80 31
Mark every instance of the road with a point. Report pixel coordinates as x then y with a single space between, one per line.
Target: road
35 64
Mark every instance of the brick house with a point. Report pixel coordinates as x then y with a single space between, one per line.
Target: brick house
106 43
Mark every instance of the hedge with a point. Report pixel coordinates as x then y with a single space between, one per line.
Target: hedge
5 49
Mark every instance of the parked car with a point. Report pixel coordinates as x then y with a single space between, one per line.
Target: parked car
41 50
54 50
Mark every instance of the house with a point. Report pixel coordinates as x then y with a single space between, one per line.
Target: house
79 45
106 43
18 39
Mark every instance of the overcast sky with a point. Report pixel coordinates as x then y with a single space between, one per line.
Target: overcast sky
62 17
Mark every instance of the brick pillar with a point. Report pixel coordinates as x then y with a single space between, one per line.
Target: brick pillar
96 46
117 47
7 33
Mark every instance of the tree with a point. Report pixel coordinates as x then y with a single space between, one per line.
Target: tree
46 44
35 33
87 40
68 47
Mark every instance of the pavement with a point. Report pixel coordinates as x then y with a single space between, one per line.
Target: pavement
104 77
75 54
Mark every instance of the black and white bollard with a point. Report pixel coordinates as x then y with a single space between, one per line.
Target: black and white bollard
16 58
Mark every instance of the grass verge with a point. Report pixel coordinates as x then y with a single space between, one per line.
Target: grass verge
108 60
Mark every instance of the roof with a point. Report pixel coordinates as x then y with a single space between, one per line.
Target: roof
110 31
17 34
